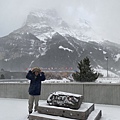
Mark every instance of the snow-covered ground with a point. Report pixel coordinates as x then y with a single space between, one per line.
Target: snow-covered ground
16 109
104 72
108 80
64 80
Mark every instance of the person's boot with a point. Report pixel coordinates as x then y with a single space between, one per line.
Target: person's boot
35 110
30 112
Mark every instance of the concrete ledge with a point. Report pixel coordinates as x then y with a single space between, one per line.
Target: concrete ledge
95 115
36 116
67 114
82 113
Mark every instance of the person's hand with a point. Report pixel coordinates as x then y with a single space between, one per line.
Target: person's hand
32 69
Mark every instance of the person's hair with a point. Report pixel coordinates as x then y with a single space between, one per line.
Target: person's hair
36 69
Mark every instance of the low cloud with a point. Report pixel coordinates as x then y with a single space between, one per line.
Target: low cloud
102 14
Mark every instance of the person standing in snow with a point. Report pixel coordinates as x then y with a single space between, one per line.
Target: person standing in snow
35 76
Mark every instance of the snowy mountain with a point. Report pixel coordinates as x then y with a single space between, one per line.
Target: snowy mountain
48 41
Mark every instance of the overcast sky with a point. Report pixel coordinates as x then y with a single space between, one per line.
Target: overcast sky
102 14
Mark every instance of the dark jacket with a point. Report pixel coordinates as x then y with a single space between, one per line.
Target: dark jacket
35 82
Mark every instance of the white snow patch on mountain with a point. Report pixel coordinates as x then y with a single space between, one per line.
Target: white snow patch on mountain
117 57
7 59
90 52
43 37
37 56
32 42
38 25
31 53
31 64
61 47
95 48
104 52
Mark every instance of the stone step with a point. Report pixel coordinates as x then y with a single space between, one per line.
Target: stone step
47 112
95 115
82 113
38 116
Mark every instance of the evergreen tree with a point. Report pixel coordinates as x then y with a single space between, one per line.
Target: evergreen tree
85 73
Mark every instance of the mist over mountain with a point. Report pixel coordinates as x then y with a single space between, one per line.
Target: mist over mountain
48 41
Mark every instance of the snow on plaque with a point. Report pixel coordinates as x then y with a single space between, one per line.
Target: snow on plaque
64 99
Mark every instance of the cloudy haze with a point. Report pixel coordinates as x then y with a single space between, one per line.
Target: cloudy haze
102 14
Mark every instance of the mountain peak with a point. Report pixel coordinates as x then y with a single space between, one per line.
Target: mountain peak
49 12
47 22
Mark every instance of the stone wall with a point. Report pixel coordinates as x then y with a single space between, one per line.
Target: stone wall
92 92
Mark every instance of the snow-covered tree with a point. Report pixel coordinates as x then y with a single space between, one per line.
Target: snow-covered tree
85 73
